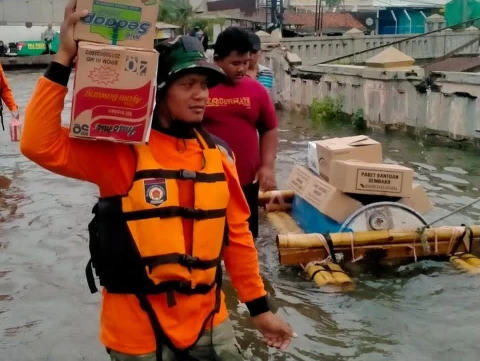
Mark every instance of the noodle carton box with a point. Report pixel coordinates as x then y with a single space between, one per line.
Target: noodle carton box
113 93
322 153
118 22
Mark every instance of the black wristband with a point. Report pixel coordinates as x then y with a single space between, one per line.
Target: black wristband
258 306
58 73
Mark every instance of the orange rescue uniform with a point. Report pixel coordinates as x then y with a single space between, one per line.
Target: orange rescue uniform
124 326
6 92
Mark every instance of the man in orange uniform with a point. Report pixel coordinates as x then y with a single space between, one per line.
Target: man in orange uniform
169 212
7 96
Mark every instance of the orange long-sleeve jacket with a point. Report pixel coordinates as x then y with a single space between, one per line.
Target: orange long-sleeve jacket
6 92
124 326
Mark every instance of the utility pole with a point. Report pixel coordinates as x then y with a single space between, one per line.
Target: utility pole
281 18
321 18
316 16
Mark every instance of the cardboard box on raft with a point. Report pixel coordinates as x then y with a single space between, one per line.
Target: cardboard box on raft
351 176
319 207
321 153
113 93
418 201
321 195
130 23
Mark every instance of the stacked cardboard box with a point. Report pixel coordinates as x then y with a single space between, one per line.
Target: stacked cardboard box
115 80
344 174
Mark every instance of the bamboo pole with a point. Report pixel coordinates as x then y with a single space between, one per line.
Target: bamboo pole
471 259
338 280
284 223
265 197
295 256
312 240
464 265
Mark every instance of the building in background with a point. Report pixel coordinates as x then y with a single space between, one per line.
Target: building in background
26 20
406 16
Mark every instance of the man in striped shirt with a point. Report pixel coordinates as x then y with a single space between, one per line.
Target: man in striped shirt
257 71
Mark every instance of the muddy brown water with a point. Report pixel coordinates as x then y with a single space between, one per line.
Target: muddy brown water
423 311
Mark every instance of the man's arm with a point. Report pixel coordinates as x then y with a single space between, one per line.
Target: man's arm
240 256
268 148
47 143
241 261
7 94
267 129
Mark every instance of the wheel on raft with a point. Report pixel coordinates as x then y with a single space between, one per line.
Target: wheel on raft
383 216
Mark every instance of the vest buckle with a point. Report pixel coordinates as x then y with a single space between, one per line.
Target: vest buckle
190 213
188 261
187 174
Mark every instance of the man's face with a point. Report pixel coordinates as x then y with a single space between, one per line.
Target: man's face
187 98
235 65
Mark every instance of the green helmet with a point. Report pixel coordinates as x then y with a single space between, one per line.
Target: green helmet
181 55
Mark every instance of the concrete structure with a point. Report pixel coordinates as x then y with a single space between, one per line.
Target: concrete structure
26 62
390 96
35 11
313 50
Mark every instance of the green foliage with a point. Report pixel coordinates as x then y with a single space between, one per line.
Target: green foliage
329 111
177 12
181 13
358 120
332 3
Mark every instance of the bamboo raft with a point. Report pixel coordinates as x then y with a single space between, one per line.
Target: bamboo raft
321 255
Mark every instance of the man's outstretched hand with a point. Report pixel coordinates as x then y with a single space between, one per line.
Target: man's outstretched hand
276 332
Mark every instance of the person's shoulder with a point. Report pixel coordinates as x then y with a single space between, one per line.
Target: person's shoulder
264 70
251 83
216 89
223 147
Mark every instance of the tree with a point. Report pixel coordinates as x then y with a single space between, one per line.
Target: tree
332 3
177 12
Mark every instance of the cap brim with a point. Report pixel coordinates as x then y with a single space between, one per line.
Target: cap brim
214 73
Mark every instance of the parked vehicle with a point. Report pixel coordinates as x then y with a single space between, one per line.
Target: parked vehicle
32 48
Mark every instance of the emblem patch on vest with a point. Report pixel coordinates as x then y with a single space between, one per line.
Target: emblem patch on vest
155 191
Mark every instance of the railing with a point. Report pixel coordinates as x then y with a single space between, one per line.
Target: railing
358 48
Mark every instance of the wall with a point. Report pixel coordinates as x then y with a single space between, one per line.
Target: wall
35 11
314 49
389 98
15 33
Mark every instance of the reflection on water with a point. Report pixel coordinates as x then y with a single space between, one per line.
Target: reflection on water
422 311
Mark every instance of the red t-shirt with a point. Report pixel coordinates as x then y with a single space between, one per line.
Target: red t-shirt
234 113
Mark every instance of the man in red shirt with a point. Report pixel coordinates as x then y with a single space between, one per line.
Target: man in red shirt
236 110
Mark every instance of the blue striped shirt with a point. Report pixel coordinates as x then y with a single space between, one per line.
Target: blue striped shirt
266 78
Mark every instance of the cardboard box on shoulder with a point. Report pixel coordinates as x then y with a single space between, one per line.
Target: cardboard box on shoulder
129 23
357 177
113 93
419 200
323 196
321 153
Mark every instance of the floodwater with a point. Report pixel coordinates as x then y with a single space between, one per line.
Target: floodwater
424 311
